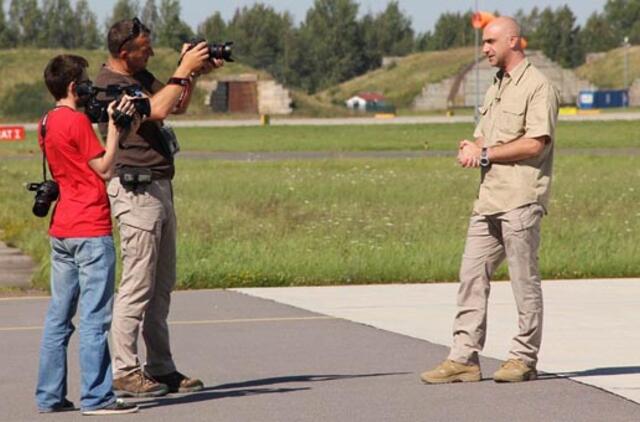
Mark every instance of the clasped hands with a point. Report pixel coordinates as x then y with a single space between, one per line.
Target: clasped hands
469 154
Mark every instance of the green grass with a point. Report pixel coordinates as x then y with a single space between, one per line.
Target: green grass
403 82
608 72
440 137
360 220
20 68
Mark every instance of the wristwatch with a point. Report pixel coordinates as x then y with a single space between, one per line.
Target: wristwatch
484 157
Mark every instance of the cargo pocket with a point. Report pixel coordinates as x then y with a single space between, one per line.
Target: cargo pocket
117 199
512 124
137 210
524 218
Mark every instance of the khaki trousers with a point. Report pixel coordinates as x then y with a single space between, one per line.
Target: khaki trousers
516 236
147 224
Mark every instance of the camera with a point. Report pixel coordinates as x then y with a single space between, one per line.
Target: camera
97 109
216 51
46 193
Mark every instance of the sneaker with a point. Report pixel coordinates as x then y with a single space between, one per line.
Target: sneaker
179 383
65 406
452 371
515 370
137 384
118 407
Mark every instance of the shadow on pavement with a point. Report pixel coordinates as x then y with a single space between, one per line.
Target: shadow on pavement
618 370
242 389
300 378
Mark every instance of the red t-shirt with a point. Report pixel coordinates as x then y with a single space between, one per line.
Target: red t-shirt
82 210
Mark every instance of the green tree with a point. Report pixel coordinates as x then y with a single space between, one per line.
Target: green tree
528 22
60 28
172 31
598 34
329 47
387 34
213 29
123 9
260 36
4 31
624 18
451 30
558 36
150 17
25 22
88 35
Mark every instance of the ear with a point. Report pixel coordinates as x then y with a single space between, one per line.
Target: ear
71 89
123 55
515 43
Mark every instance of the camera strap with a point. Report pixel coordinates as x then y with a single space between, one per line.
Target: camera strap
43 134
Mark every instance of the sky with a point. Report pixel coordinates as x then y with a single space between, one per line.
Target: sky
423 13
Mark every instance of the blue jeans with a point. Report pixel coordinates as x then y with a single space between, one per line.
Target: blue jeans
82 272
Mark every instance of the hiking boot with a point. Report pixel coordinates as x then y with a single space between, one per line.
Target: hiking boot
179 383
65 406
118 407
452 371
515 370
136 384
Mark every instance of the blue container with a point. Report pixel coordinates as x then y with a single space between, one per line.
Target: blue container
603 99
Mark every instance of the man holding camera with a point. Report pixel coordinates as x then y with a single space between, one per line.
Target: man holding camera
142 202
82 251
514 149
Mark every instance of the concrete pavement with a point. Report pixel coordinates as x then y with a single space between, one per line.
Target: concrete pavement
265 361
590 331
343 121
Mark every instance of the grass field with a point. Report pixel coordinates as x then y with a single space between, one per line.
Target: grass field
437 137
364 220
608 71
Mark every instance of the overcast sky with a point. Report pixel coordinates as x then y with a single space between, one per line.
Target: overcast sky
423 13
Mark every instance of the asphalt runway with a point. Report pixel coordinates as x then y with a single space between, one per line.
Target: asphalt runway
264 361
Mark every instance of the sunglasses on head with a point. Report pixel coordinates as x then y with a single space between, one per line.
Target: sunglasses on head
136 29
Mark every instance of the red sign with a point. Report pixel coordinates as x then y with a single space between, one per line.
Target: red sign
12 133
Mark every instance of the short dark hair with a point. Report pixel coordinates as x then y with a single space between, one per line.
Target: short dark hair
123 33
61 71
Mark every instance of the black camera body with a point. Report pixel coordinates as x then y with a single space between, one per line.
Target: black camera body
216 51
46 193
97 109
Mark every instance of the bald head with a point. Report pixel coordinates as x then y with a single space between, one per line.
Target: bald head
501 43
505 25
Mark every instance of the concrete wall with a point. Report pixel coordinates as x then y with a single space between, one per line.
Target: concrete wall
272 97
634 94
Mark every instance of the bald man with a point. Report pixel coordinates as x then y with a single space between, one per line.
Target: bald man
513 148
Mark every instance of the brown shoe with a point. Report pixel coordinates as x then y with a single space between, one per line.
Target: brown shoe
452 371
136 384
179 383
515 370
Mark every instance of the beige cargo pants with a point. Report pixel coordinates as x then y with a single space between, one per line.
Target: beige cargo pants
147 224
516 236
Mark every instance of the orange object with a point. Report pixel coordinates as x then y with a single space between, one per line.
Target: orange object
523 43
481 19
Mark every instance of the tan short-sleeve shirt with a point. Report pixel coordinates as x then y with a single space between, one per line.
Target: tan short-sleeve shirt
522 104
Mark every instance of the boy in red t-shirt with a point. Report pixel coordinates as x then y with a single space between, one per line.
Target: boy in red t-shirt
82 250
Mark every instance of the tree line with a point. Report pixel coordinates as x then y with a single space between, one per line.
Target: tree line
332 44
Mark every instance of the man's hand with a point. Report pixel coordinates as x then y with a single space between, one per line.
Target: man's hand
195 58
208 67
469 154
125 106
